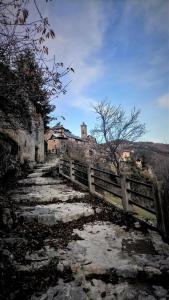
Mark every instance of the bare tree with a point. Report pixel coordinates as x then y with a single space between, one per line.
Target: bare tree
19 30
115 128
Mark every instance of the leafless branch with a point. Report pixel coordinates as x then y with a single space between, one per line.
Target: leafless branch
114 128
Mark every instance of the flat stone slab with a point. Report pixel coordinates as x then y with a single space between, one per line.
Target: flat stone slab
98 249
45 194
102 247
51 214
40 181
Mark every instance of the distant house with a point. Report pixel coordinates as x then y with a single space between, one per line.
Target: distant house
139 163
126 155
58 136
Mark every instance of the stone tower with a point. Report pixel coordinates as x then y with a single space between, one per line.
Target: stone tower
83 131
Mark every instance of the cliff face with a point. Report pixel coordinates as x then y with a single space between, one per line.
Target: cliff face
21 137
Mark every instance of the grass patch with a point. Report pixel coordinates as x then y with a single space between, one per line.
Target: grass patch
142 213
114 200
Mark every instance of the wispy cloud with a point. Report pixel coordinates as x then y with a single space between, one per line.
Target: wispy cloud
79 28
84 103
163 101
140 37
116 48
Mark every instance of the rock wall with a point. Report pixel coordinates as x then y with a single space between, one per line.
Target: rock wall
8 154
29 143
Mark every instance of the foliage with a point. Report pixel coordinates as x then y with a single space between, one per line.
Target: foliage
23 57
21 82
13 100
114 128
33 82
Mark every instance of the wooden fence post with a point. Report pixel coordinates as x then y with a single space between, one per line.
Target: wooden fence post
124 193
161 210
91 179
72 176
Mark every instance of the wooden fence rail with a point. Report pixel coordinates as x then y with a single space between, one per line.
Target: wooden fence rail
97 181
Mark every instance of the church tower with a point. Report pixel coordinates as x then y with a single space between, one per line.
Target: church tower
83 131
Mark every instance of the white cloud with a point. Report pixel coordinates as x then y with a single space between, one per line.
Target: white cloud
84 103
154 13
79 28
163 101
144 23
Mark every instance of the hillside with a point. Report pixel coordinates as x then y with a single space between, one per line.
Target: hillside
159 148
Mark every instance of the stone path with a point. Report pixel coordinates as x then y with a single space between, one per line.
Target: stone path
71 246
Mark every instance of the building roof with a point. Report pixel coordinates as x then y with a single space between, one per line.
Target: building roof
71 135
66 134
57 127
58 136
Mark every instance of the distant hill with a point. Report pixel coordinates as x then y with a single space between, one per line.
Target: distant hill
154 155
159 148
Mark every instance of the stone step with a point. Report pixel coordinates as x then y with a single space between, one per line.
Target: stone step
35 188
47 165
52 214
35 174
46 194
98 253
40 181
100 249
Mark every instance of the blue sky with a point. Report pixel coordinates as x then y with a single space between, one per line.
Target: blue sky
120 51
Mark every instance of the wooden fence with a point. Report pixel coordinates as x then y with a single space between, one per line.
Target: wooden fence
130 191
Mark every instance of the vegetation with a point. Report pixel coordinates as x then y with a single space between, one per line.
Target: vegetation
22 83
28 77
114 128
24 68
156 159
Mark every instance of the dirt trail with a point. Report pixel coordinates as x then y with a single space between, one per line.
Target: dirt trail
68 245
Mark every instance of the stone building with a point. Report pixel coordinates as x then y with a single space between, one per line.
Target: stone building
58 137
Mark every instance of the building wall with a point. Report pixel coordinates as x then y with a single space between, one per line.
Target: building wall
56 146
53 145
